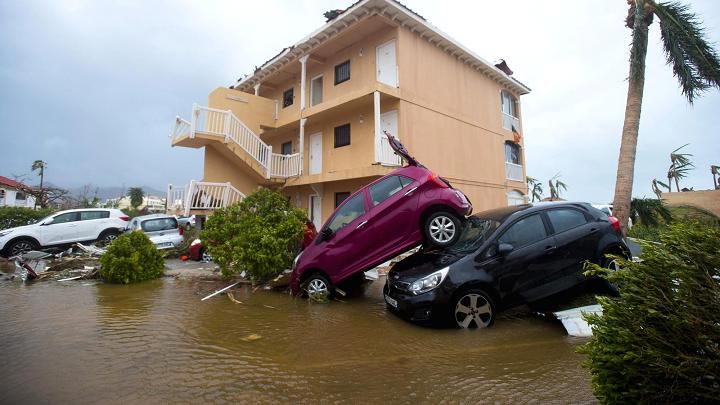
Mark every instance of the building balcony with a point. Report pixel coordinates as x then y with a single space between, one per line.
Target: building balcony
200 197
514 172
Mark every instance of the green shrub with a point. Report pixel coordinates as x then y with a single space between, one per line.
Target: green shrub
659 341
131 258
260 235
10 217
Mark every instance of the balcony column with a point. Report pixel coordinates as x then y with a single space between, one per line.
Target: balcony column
376 119
303 79
257 89
301 144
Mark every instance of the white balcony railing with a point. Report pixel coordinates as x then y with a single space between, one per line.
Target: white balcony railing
285 165
513 171
509 122
200 195
211 121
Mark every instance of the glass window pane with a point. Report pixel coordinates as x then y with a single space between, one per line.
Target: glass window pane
159 224
67 217
316 94
385 189
342 72
286 148
288 97
349 211
342 135
564 219
406 181
88 215
525 232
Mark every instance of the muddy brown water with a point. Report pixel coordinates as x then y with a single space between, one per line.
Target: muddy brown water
89 342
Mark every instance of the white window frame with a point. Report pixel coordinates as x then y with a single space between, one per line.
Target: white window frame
322 95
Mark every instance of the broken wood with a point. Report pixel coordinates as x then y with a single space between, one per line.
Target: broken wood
222 290
232 298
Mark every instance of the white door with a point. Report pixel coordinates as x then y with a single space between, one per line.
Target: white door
387 64
389 123
316 153
315 211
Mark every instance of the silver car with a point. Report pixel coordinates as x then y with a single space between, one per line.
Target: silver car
163 230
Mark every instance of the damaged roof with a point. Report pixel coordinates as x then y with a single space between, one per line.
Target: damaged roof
4 181
394 11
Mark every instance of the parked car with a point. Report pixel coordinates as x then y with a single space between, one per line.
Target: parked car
64 228
389 216
503 258
186 222
163 230
608 210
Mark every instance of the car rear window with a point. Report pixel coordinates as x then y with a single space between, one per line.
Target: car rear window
159 224
87 215
564 219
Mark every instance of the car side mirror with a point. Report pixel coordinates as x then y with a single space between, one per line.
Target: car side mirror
326 234
47 221
504 248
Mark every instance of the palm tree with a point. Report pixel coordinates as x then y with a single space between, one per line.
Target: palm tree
555 187
40 165
535 188
715 170
656 189
680 165
648 211
695 65
136 196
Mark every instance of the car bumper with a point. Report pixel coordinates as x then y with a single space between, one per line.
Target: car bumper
428 307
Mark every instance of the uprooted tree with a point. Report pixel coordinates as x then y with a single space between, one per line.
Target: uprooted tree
658 341
260 235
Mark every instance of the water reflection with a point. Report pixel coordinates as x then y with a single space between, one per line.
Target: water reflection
156 342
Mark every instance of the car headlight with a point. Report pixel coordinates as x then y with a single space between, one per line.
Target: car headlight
295 262
4 233
428 283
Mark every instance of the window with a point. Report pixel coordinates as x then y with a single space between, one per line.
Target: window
512 153
509 104
349 211
386 188
20 195
342 135
288 97
405 180
66 217
340 197
342 72
515 197
159 224
2 193
316 90
525 232
286 148
564 219
88 215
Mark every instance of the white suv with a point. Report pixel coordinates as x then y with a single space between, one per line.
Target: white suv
63 228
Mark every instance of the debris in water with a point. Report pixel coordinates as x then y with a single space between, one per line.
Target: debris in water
222 290
251 338
232 298
573 321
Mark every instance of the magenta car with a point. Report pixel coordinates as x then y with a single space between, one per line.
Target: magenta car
389 216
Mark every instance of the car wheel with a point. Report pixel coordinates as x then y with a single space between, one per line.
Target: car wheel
442 229
473 309
317 286
108 236
204 256
21 246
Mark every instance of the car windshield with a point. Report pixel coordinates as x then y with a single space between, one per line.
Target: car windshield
475 232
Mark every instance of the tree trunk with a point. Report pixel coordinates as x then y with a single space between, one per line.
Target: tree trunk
677 184
628 143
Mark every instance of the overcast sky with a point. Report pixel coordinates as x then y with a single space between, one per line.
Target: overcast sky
93 87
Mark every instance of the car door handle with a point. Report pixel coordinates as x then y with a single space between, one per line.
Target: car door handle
550 249
361 224
593 230
411 190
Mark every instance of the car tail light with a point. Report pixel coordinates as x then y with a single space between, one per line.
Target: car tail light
615 223
181 230
124 218
438 180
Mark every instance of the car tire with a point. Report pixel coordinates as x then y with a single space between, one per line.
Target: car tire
472 309
317 285
108 236
442 229
20 246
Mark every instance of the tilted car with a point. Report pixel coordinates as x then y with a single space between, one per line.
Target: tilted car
64 228
163 230
389 216
503 258
186 222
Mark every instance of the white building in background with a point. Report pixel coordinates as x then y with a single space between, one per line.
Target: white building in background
152 203
15 194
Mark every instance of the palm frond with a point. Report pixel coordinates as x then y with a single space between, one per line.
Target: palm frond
694 61
648 211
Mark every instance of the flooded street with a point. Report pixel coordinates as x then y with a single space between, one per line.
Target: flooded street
82 342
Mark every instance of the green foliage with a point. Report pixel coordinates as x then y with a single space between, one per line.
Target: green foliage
259 235
535 188
680 214
136 196
10 217
658 341
131 258
648 211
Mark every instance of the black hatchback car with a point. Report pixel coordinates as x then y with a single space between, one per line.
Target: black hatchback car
504 257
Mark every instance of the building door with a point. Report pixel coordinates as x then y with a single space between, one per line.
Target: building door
387 64
316 153
315 210
389 123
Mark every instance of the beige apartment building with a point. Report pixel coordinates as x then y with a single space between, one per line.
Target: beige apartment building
310 121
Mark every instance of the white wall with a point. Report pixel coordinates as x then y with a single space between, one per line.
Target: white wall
8 198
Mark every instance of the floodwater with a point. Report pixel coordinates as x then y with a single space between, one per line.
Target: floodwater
88 342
